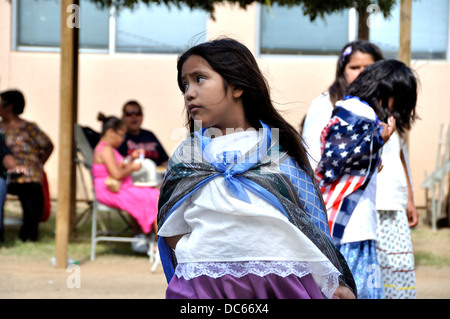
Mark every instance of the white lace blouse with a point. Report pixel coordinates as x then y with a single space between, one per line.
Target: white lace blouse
224 235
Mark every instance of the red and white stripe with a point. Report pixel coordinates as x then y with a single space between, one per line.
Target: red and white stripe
335 193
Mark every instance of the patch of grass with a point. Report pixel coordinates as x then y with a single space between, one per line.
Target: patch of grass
79 246
431 247
422 258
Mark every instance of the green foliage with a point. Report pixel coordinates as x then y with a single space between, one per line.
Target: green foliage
311 8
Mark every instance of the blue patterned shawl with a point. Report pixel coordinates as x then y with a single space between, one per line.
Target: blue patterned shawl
286 186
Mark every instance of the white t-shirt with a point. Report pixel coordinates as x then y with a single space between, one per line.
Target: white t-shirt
363 223
392 190
317 118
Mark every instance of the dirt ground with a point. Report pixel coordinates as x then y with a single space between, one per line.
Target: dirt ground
125 277
107 277
112 276
118 277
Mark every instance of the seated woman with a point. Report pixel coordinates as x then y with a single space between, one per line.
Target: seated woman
31 148
140 202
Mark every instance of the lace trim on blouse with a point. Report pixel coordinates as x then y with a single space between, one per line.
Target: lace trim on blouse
324 273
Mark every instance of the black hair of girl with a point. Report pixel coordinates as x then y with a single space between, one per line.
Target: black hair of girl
339 85
109 122
383 80
237 66
15 98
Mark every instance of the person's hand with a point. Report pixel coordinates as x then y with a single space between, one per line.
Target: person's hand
412 214
388 129
18 170
137 153
343 292
380 167
135 166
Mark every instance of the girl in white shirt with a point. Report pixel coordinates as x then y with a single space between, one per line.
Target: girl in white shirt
353 59
240 214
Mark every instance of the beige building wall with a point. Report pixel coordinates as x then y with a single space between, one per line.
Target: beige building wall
106 81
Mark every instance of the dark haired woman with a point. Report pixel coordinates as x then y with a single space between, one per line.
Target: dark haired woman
140 202
31 148
353 59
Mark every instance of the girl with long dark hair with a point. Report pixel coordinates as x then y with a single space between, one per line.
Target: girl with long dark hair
353 59
381 99
240 214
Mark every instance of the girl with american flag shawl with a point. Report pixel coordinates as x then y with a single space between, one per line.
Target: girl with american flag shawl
351 146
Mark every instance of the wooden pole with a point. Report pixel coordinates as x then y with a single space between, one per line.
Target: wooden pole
68 116
404 52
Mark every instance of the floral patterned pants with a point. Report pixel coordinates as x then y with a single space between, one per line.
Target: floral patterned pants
395 254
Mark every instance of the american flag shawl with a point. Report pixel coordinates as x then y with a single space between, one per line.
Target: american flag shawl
351 146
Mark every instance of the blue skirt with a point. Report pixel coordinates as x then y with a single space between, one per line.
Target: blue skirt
362 260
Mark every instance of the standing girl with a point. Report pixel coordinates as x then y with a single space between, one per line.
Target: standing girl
396 214
353 59
351 154
240 215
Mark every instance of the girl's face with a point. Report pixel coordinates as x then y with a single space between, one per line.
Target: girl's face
357 63
206 98
117 136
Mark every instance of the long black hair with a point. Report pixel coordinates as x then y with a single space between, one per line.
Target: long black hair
339 85
237 66
384 80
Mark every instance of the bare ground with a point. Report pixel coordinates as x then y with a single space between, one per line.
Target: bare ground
112 276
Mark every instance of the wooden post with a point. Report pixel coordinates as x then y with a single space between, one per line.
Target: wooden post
404 51
68 115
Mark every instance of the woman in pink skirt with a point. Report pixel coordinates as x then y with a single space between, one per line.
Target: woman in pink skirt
140 202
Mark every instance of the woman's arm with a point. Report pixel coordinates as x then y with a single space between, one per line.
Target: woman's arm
411 210
116 171
172 241
46 152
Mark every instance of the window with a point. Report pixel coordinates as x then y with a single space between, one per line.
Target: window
155 28
38 24
158 28
429 30
287 31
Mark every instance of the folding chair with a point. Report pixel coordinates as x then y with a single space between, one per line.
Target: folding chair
86 151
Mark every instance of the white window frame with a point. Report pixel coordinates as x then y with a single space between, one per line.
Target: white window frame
448 36
111 50
352 33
